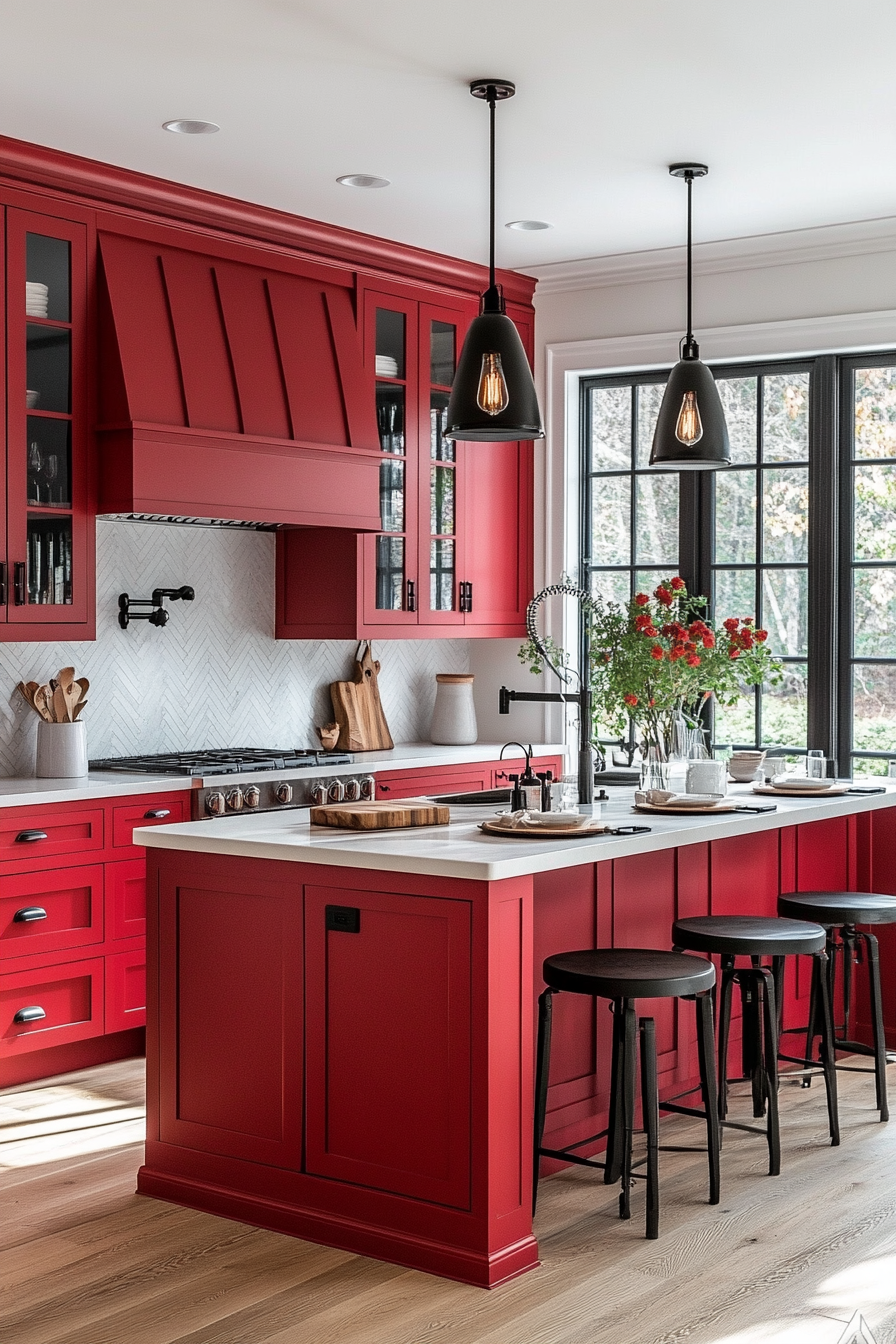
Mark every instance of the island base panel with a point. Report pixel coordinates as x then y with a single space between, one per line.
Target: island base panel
478 1269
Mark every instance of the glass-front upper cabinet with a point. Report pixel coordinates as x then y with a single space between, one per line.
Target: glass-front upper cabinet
439 520
47 545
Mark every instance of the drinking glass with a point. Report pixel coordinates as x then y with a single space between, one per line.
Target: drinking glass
816 765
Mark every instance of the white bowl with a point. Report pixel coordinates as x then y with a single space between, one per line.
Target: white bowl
31 398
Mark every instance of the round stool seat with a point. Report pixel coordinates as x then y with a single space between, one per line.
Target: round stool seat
748 935
629 973
839 907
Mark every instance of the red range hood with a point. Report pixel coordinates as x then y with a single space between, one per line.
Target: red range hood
232 391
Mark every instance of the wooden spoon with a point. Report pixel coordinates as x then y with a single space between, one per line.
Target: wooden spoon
80 705
65 676
43 703
60 705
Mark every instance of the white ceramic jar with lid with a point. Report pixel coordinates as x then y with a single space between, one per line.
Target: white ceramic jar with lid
454 714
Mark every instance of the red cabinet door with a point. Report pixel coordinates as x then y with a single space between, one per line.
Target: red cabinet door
230 1024
53 1006
163 809
50 911
49 537
126 899
388 1043
125 991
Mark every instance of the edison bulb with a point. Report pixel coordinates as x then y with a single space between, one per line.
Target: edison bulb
492 394
689 426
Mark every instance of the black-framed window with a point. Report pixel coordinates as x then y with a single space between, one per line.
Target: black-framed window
799 532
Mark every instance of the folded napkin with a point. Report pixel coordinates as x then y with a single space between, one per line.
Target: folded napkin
662 798
523 820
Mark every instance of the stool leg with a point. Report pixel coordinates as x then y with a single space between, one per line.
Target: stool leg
812 1027
542 1072
877 1023
703 1005
751 1041
828 1055
724 1028
650 1108
849 938
628 1106
778 973
613 1155
766 987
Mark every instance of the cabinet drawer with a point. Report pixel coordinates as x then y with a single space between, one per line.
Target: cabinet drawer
32 837
69 997
162 811
126 899
413 786
48 912
125 991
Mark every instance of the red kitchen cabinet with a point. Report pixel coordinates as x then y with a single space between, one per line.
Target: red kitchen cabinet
47 912
125 990
56 1005
454 555
47 584
231 1040
126 899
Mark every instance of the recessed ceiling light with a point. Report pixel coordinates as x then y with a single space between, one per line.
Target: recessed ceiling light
527 225
184 126
363 180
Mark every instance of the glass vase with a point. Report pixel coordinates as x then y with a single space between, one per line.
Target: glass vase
656 769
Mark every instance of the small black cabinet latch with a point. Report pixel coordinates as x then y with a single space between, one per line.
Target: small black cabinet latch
344 918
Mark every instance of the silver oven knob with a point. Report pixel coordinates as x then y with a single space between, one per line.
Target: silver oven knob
318 793
235 800
368 788
336 791
283 793
216 804
352 790
252 795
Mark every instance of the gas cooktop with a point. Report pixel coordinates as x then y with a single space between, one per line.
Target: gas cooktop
233 761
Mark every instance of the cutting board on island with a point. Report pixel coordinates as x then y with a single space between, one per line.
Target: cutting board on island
381 816
357 708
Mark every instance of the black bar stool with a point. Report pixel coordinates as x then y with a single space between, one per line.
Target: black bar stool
758 936
624 975
839 912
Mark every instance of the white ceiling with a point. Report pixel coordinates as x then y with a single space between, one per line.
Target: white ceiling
791 102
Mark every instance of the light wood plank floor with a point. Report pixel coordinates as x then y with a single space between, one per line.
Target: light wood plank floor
83 1260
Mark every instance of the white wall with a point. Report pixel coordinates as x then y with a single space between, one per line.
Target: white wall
214 676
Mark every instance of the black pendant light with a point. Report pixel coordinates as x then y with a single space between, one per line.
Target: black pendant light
691 433
493 396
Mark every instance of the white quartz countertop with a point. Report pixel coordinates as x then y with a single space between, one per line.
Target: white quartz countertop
23 791
462 850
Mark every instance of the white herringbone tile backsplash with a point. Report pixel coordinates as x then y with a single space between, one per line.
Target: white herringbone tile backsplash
214 676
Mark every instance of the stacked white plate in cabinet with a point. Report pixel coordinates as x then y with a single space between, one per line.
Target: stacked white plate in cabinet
386 366
36 299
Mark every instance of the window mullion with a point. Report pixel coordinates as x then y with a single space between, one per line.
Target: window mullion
823 566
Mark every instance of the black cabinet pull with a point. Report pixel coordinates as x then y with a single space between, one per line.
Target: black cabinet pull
28 837
29 914
18 581
343 918
157 813
33 1013
383 788
3 578
465 594
411 602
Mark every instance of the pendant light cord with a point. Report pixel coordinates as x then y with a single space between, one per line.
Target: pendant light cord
492 99
690 349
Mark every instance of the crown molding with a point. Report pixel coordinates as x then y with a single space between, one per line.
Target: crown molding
828 242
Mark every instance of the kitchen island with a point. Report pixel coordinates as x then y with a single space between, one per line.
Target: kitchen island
340 1025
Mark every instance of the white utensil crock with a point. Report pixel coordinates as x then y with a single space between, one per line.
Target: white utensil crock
454 715
61 750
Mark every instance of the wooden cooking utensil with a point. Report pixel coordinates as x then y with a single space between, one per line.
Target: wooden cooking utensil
80 705
65 676
43 703
60 705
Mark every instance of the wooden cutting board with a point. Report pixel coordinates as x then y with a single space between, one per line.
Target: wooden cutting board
381 816
357 708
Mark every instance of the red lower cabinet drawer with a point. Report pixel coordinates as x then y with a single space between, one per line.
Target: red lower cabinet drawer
50 912
164 810
51 1007
125 991
31 836
126 899
417 786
